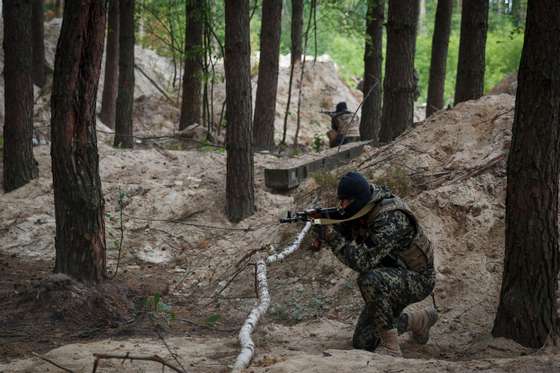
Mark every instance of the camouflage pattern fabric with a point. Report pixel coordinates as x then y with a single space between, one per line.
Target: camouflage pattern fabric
344 125
386 292
372 248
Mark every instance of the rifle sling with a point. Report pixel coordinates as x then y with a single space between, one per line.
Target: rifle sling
367 208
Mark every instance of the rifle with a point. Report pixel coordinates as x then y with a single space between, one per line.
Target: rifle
329 113
312 215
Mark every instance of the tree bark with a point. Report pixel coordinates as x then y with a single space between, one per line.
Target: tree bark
370 123
38 36
192 77
527 312
109 96
19 165
240 194
297 30
125 97
399 85
440 45
265 102
78 197
471 64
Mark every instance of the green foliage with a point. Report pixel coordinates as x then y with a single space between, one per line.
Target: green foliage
213 319
206 146
157 309
1 142
318 142
396 179
340 33
325 180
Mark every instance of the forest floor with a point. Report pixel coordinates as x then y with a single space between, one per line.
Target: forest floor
185 282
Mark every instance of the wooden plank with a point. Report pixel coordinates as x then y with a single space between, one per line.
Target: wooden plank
285 177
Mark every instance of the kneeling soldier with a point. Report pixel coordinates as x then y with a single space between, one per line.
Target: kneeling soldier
381 239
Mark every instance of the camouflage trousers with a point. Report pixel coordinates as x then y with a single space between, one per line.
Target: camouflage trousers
386 292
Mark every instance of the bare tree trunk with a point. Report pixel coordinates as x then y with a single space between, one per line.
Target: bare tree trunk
399 86
192 77
19 165
527 312
109 97
471 64
438 66
78 197
265 102
240 189
370 123
38 36
125 97
297 30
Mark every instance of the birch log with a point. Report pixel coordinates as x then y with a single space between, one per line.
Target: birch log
247 344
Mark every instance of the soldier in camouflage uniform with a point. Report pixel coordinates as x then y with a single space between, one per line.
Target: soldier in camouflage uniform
344 126
381 239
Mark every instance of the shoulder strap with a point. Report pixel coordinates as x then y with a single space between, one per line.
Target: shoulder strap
364 210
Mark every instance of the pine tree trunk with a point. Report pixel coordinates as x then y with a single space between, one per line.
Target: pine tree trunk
265 102
240 194
527 312
109 97
370 123
297 30
399 85
19 165
192 77
38 35
440 45
471 64
78 197
125 97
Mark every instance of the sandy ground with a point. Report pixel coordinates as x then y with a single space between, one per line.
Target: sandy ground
178 244
449 168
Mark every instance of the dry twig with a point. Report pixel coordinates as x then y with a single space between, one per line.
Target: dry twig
127 356
52 362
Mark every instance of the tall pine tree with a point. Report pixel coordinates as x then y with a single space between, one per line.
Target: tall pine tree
370 123
19 165
265 102
78 196
399 85
125 97
240 189
527 312
438 65
472 51
192 77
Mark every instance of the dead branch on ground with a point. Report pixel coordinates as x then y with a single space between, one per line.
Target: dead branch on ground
127 356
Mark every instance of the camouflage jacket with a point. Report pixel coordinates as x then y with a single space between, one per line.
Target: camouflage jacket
344 125
364 244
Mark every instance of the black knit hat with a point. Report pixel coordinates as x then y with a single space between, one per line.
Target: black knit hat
341 107
355 187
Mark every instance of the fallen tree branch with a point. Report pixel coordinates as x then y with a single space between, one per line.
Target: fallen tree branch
127 356
161 90
247 344
52 362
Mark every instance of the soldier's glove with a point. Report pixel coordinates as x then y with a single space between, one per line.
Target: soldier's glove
318 231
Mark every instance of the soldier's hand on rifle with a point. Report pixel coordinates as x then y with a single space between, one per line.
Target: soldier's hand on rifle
322 234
